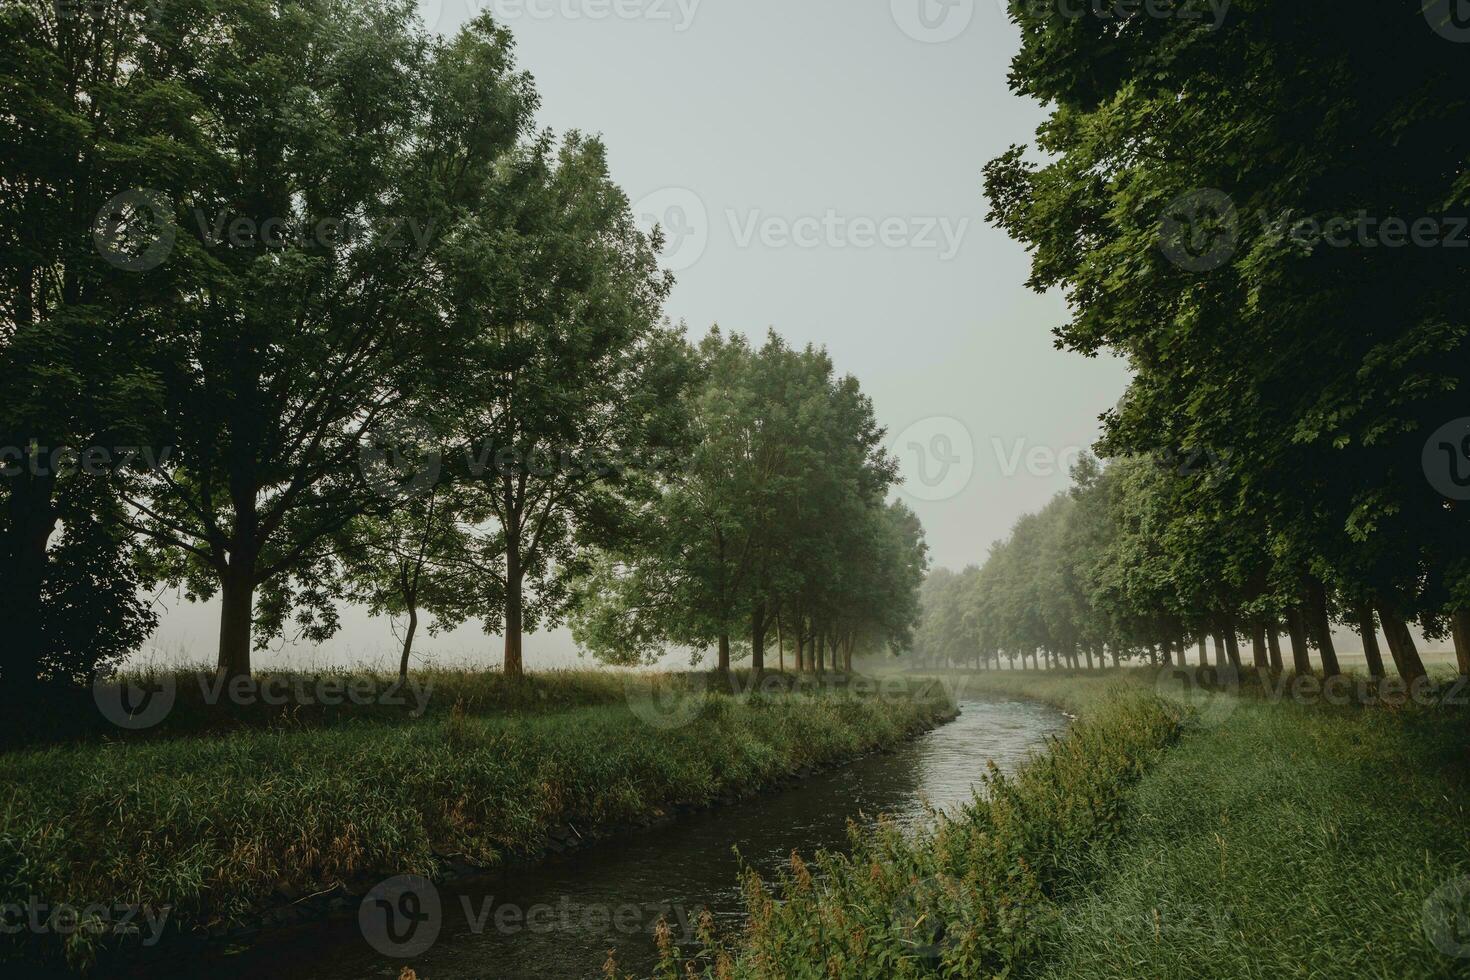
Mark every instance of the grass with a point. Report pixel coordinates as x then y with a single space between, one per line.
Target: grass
1271 839
963 898
219 827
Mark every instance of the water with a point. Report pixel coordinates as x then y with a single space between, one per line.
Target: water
560 918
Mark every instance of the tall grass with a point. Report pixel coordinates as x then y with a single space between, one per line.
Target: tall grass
961 899
220 827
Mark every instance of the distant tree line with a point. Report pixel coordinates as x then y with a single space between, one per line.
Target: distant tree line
1267 218
300 308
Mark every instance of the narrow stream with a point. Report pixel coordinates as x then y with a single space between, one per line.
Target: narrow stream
559 919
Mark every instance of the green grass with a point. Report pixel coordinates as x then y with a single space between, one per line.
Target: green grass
219 827
1287 841
963 898
1270 839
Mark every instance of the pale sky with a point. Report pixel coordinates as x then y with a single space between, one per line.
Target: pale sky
818 165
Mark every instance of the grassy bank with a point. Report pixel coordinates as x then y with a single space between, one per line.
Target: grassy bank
217 828
1272 838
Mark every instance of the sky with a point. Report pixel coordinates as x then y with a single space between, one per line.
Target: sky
816 165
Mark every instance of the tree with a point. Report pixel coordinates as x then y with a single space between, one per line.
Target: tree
344 147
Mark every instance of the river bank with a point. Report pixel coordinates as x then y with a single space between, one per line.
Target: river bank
215 836
1205 836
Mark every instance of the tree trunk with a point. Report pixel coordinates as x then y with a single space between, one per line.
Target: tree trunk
1273 644
514 664
1460 621
724 665
1301 662
32 519
1401 645
758 640
1321 625
1368 630
1204 653
1219 651
237 616
1087 651
1232 646
413 627
1258 647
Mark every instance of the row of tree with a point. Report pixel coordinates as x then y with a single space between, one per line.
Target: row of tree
1288 449
1122 568
300 308
776 527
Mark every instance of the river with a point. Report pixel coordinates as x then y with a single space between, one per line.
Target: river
559 918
